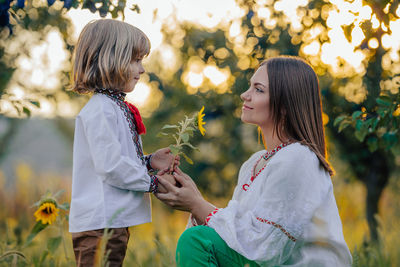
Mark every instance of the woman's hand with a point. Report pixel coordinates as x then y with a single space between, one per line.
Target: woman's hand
186 198
162 160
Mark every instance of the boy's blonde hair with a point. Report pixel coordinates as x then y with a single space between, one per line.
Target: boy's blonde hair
103 54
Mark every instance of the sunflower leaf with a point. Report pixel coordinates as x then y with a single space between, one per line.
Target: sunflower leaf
59 193
64 206
53 243
39 226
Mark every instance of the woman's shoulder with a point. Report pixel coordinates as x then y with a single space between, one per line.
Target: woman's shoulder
296 153
255 156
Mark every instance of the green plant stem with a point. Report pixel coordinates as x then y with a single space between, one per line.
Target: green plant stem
63 241
185 124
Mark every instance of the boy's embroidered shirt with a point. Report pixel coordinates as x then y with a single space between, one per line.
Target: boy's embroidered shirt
288 216
132 116
109 172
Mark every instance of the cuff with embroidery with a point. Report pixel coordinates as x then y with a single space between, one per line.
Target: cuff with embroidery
210 215
153 184
147 160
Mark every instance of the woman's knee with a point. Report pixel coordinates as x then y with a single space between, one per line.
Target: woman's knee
197 236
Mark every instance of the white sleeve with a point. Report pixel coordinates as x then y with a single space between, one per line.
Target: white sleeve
101 130
271 226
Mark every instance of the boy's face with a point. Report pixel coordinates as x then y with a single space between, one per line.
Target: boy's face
136 69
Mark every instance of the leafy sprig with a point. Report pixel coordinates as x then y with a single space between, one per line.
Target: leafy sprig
183 131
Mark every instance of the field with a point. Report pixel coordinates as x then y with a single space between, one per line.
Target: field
153 244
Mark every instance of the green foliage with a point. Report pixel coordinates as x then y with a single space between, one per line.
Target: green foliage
183 131
379 127
370 255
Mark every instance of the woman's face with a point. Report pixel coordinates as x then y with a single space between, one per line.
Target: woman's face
256 100
136 69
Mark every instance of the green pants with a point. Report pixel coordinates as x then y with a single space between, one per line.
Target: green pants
202 246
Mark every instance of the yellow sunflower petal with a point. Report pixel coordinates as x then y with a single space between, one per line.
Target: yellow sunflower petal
200 121
47 213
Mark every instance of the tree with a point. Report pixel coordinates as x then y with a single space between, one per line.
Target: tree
369 145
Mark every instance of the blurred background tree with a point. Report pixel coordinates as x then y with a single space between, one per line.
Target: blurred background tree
349 43
364 96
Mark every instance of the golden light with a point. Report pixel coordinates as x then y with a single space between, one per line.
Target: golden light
47 60
216 76
365 13
194 79
168 57
386 41
312 48
235 30
139 95
375 22
17 93
373 43
357 36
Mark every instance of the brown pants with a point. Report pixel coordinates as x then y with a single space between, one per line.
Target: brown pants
85 245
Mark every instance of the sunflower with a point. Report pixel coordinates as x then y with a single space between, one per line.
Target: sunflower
47 213
200 121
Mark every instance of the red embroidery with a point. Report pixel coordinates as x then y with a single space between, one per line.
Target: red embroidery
141 129
266 156
210 215
279 227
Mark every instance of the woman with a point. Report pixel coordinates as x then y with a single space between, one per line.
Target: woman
283 210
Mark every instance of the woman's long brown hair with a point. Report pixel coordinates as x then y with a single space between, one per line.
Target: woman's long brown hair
295 103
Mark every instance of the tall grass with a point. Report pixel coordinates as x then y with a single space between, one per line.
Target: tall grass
153 244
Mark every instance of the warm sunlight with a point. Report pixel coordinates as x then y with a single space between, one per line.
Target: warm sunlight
48 57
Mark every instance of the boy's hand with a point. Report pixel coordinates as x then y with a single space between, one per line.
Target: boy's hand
162 160
168 178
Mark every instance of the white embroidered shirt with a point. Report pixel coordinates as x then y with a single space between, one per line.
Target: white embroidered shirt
109 178
288 215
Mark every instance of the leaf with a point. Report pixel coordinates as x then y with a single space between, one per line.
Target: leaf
389 139
36 103
59 193
12 253
174 150
168 126
161 134
356 114
343 125
372 123
339 119
53 243
26 111
45 253
372 143
359 125
188 160
64 206
361 134
185 137
39 226
191 146
383 101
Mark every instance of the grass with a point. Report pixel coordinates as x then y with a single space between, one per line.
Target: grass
153 244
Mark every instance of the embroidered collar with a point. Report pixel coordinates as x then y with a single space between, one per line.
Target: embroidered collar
114 94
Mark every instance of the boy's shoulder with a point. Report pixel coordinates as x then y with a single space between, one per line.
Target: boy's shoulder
98 103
